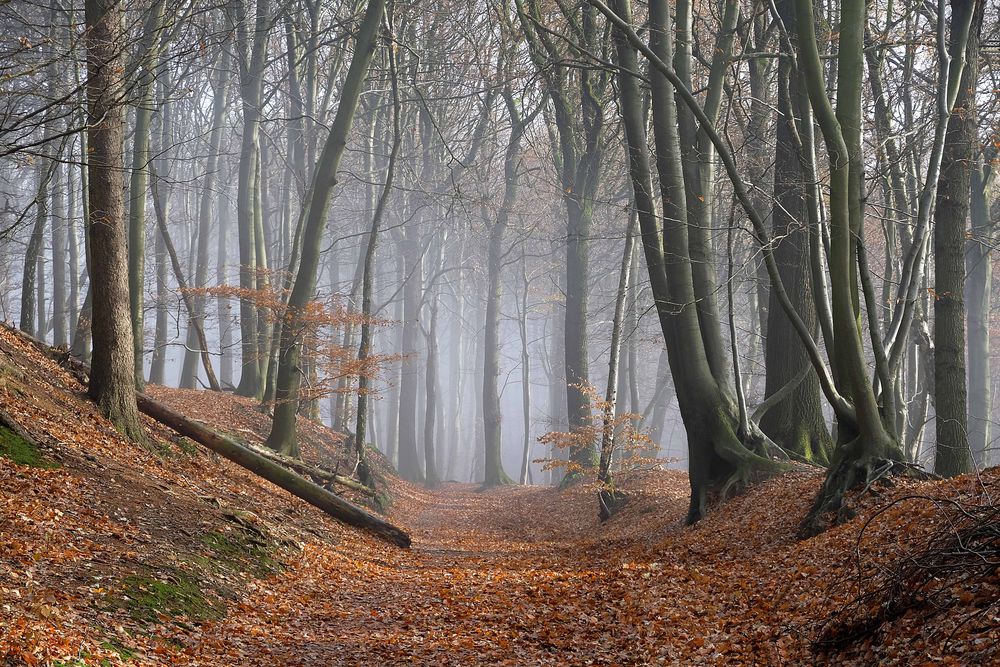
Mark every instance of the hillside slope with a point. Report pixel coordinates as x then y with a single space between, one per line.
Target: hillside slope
118 554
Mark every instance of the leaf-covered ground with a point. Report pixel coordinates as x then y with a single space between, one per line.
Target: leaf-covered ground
118 554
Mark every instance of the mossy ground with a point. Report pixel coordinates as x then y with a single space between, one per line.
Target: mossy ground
18 450
176 595
241 550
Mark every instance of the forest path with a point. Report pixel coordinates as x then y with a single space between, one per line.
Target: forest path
508 576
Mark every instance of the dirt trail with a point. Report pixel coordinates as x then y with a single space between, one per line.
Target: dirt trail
493 578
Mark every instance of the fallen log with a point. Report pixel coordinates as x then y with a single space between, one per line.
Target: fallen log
298 486
316 472
335 506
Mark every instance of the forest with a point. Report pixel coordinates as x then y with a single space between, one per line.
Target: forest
500 332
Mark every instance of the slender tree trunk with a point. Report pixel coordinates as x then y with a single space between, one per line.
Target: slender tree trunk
189 370
222 303
60 326
409 460
979 297
608 499
28 322
148 62
251 63
283 437
364 348
522 323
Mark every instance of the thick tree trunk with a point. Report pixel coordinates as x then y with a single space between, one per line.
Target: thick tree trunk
796 422
716 455
112 384
952 454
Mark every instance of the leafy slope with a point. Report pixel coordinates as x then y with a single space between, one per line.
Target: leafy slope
124 555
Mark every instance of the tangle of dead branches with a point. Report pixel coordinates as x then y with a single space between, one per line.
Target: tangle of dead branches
955 570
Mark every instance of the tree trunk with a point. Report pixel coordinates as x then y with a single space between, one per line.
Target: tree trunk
189 370
608 499
796 422
979 297
364 347
952 453
112 384
145 82
252 59
409 460
283 437
28 322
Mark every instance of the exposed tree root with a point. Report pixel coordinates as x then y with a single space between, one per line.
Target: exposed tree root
610 502
731 462
850 471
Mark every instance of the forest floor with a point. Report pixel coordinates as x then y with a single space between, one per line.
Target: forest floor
113 553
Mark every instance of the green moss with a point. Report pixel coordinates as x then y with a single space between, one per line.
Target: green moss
239 549
123 652
15 448
187 446
147 599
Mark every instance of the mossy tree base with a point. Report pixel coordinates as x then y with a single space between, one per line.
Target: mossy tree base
724 460
857 465
501 479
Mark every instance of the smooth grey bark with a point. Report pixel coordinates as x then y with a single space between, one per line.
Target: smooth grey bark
149 58
283 436
715 452
251 61
494 474
796 422
609 500
364 346
60 319
409 458
161 197
29 322
186 297
979 301
577 98
222 302
522 327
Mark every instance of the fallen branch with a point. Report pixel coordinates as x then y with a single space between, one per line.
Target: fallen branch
273 472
